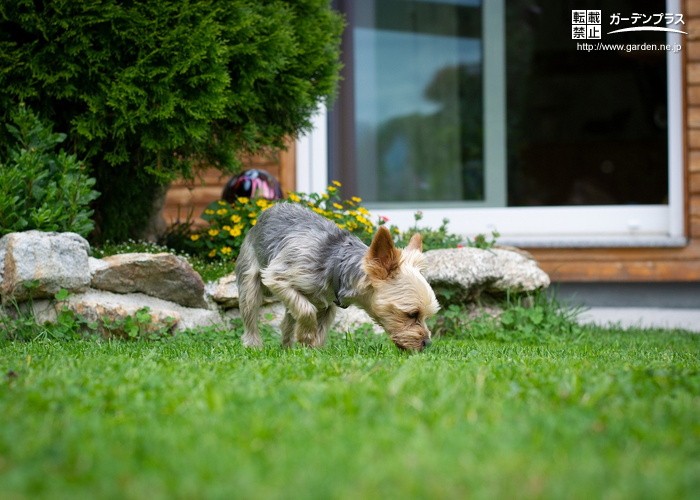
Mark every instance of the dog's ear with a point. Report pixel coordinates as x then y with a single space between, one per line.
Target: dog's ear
416 243
383 257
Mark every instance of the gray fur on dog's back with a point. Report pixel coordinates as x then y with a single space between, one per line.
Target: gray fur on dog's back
307 245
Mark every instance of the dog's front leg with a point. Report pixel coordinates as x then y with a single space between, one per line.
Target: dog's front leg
298 306
325 320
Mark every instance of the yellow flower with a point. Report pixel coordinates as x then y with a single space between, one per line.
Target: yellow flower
243 200
262 203
293 197
331 189
235 218
356 199
226 228
226 250
324 196
194 237
338 206
336 183
213 232
317 210
212 253
252 215
363 210
222 203
221 211
209 211
236 231
253 222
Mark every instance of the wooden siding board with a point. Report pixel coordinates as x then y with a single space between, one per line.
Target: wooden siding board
640 271
695 230
693 73
694 206
692 8
693 161
178 196
694 117
693 50
287 175
693 94
621 264
694 184
688 252
693 139
692 25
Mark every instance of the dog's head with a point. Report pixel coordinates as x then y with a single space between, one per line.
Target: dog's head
402 299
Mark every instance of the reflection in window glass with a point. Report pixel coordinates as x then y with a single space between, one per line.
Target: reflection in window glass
584 128
417 98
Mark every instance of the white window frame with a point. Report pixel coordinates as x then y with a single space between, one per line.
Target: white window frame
560 226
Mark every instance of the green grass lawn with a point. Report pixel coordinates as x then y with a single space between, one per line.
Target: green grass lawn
581 413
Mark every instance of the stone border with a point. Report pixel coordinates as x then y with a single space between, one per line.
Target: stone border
35 265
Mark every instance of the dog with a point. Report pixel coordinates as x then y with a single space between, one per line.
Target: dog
313 267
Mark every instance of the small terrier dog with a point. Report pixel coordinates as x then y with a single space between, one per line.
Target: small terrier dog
312 266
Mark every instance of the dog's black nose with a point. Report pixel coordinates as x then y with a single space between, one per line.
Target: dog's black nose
426 343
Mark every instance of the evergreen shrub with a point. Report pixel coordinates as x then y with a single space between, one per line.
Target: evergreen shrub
148 91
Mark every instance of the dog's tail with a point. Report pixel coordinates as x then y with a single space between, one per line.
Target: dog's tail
250 294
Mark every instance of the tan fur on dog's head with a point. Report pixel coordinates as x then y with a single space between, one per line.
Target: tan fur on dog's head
402 299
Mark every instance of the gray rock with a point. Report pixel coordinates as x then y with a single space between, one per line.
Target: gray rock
224 292
96 265
104 307
37 264
165 276
43 310
474 271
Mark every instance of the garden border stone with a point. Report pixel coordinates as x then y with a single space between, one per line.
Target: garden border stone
114 288
37 264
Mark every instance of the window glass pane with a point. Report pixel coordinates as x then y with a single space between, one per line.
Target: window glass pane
584 128
417 89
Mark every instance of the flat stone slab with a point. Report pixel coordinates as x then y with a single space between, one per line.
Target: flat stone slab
99 306
164 276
